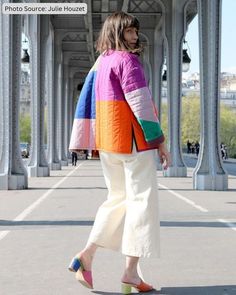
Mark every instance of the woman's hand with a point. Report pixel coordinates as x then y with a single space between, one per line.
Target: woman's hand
164 156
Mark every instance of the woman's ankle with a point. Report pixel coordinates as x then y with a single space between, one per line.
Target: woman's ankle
87 255
131 273
90 249
131 276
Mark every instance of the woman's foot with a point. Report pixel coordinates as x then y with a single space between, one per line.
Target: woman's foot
86 259
82 264
141 287
131 274
86 255
131 278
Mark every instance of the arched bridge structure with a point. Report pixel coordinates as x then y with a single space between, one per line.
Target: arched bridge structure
61 54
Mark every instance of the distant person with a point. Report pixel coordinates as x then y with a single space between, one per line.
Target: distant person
193 147
197 147
189 147
74 157
223 150
226 152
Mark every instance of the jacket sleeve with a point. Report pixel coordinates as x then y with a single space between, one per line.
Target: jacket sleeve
83 129
138 96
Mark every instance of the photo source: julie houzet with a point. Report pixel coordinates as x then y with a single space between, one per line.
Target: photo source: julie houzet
44 8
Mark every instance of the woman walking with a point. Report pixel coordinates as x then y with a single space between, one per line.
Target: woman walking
116 109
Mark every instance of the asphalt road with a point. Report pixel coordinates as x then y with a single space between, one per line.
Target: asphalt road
43 227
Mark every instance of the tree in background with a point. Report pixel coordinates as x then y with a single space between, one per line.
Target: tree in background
190 119
228 129
164 120
25 128
190 123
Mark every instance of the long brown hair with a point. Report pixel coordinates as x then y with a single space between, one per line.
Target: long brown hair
112 33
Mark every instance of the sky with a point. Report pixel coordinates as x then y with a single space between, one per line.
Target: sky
228 39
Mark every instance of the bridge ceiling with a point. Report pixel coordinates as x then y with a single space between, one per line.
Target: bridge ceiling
80 32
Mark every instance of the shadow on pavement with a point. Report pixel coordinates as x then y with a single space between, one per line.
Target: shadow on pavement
76 176
196 290
104 188
46 222
68 188
193 224
11 223
117 293
200 290
194 190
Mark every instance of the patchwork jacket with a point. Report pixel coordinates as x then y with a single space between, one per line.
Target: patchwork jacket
115 108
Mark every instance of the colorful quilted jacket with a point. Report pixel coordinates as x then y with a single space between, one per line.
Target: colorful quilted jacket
115 107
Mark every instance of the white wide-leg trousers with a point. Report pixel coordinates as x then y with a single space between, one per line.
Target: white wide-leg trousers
129 219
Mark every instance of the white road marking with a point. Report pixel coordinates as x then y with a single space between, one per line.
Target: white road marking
228 223
3 234
33 206
186 200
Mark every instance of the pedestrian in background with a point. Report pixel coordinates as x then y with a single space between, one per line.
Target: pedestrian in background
197 147
189 145
127 135
74 158
223 149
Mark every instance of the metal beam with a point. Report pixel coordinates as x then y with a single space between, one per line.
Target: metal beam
74 42
125 5
134 13
83 53
104 10
89 25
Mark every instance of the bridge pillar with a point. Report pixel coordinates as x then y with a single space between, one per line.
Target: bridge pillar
174 31
71 103
38 33
13 174
58 79
157 68
66 104
53 159
209 173
157 74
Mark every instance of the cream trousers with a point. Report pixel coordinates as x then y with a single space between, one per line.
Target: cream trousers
129 219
